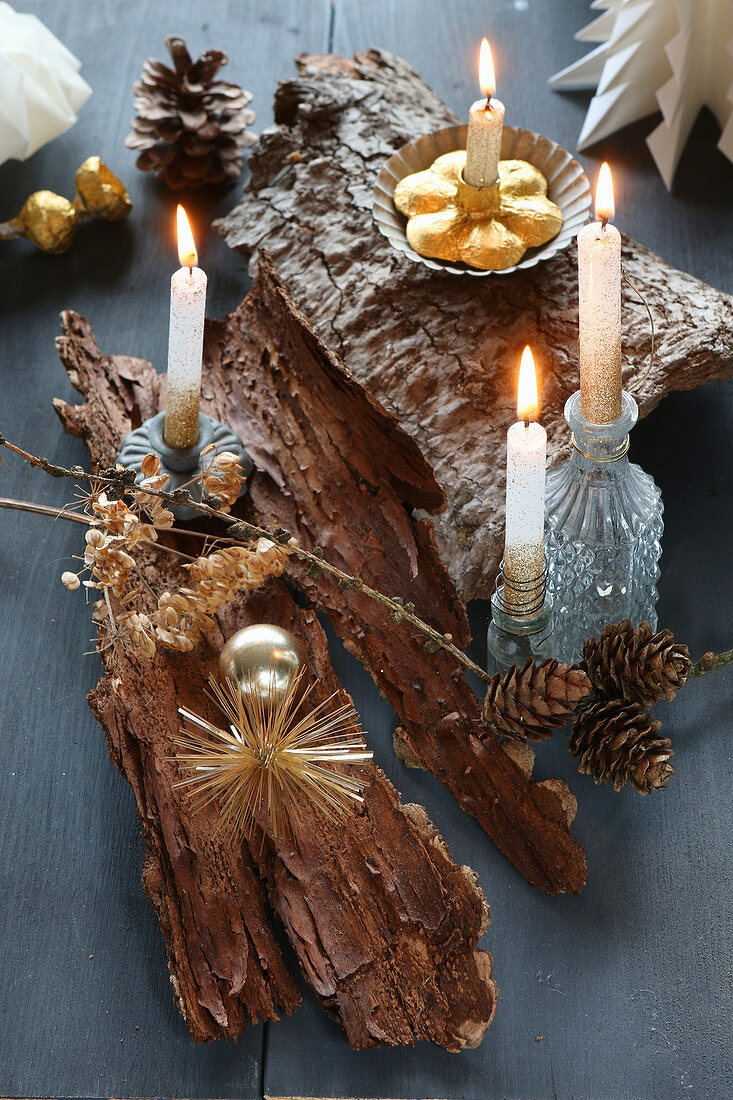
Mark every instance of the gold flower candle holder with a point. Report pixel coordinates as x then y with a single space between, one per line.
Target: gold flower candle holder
535 209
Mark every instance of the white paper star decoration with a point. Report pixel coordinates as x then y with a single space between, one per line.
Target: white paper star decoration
40 86
670 55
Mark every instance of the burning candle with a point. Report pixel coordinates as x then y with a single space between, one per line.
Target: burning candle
185 342
599 284
525 499
485 123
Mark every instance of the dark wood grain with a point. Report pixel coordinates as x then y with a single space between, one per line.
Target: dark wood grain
629 983
72 853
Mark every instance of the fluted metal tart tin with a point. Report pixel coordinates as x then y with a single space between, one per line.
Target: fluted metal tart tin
567 186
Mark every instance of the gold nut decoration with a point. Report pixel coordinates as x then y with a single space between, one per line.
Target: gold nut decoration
49 220
99 191
489 228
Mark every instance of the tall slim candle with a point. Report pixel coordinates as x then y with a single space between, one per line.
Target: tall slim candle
185 343
599 309
485 125
525 499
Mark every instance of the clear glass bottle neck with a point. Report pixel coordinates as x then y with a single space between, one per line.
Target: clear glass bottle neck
600 443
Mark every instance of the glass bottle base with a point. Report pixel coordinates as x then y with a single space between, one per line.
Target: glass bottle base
512 641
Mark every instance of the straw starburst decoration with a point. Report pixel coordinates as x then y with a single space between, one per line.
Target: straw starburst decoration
275 754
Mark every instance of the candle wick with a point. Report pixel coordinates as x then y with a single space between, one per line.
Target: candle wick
526 423
190 271
488 103
604 221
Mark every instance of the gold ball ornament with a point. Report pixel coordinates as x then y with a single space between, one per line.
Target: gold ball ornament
101 192
48 220
267 657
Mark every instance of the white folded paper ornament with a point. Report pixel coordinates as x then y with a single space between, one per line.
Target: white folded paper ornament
40 87
670 55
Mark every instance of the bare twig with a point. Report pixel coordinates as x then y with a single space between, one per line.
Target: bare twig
78 517
709 662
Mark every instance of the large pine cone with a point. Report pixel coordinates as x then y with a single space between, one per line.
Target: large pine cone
190 127
529 703
619 743
636 664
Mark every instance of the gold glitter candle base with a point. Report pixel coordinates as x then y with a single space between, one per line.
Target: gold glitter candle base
523 571
182 421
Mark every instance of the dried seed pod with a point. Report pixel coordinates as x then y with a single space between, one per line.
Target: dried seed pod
101 192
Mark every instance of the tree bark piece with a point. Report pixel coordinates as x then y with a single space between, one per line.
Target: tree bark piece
385 925
336 470
441 351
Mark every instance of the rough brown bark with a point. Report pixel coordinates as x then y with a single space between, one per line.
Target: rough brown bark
438 350
384 923
337 470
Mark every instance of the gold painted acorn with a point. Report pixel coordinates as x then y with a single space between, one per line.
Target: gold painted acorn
489 228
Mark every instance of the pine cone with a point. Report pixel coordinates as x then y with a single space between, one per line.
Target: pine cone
636 664
529 703
190 127
619 743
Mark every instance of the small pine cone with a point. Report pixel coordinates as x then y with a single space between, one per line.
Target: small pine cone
619 743
637 665
530 702
190 128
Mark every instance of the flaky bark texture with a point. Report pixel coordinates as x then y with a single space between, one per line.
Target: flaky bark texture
384 923
337 470
439 350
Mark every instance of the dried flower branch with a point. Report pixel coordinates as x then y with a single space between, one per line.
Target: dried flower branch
269 759
120 480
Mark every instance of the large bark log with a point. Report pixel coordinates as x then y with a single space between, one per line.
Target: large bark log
385 925
441 351
337 470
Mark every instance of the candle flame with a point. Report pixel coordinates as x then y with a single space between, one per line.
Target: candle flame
186 245
486 75
605 206
527 400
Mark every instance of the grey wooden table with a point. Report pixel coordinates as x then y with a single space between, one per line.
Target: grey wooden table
623 993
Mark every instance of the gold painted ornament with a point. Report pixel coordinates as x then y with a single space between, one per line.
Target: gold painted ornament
265 657
49 220
489 228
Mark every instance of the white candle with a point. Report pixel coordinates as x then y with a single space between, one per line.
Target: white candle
485 124
525 499
185 343
599 309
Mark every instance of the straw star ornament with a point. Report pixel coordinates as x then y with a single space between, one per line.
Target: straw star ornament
275 754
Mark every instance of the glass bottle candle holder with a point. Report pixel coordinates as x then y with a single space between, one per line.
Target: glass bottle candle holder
603 532
521 624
